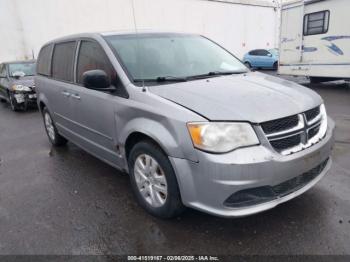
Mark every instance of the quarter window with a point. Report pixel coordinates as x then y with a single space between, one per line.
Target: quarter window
316 23
43 63
91 57
62 61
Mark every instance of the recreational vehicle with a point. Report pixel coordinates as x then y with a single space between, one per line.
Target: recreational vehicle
315 39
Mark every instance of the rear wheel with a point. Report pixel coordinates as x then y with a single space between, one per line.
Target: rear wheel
55 138
153 180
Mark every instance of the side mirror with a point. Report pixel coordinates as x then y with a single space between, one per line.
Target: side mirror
97 80
270 55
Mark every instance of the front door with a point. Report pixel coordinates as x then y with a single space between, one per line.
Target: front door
291 43
94 110
4 81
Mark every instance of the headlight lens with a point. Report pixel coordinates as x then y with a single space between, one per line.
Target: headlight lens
21 88
220 137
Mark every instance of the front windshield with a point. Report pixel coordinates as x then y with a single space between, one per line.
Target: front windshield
274 51
150 56
22 69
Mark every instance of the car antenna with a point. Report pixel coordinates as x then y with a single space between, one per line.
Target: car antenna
140 67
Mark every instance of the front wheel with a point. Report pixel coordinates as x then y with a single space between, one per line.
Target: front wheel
275 66
54 137
153 180
13 103
247 64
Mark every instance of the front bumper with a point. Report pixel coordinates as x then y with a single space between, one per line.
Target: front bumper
206 185
25 98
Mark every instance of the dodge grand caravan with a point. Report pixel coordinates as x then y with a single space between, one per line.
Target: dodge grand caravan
189 123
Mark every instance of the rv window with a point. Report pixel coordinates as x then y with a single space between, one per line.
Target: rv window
316 23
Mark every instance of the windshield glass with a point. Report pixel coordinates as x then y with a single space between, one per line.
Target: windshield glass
150 56
274 51
22 69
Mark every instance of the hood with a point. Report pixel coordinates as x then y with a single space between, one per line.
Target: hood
26 81
253 97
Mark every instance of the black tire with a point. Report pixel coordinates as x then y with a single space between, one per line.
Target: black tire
315 80
13 103
173 205
247 64
275 66
56 140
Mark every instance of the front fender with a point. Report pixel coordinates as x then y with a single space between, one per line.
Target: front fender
175 141
43 99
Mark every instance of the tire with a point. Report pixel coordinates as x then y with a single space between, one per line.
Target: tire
247 64
163 205
54 137
275 66
315 80
13 103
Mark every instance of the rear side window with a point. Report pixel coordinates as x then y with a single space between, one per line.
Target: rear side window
62 61
44 59
262 52
316 23
91 57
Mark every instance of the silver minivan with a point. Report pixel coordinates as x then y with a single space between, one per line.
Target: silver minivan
190 124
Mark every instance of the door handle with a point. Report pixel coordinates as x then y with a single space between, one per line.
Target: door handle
66 94
75 96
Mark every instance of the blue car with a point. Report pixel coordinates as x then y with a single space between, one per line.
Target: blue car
262 58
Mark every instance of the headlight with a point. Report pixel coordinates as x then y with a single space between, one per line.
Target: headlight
21 88
221 137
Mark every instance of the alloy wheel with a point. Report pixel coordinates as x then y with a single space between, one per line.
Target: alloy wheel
150 180
49 126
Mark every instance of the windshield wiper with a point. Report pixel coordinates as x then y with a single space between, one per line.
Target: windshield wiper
215 73
163 79
186 78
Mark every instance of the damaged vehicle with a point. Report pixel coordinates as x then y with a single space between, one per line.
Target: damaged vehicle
17 84
190 124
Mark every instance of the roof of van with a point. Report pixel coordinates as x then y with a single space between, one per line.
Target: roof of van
109 33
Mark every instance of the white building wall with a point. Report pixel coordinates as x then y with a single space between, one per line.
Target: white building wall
25 25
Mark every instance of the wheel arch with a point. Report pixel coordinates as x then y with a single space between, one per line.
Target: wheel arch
165 135
136 137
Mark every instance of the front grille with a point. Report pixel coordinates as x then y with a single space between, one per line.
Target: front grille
259 195
279 125
313 131
282 144
312 113
291 134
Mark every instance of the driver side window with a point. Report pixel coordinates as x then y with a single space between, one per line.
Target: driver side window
91 57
